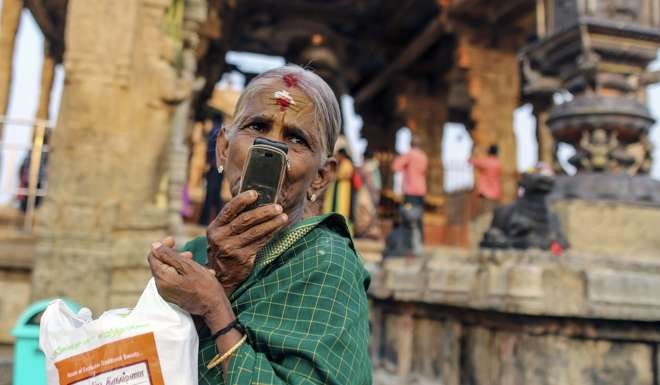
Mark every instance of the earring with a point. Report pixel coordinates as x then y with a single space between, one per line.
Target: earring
220 169
312 198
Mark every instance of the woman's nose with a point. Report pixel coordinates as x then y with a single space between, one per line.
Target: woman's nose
276 133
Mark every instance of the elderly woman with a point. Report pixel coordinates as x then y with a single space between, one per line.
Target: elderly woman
281 298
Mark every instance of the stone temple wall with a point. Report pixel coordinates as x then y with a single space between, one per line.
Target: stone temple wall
525 317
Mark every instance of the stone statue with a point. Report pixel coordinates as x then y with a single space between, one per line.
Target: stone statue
527 222
640 152
597 152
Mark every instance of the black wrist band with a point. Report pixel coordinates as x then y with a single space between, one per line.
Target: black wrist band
235 324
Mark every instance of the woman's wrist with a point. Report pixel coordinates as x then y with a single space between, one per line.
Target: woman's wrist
218 315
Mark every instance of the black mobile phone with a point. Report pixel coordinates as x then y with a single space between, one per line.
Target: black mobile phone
264 171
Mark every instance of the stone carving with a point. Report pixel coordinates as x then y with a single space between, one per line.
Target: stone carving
599 151
527 222
624 10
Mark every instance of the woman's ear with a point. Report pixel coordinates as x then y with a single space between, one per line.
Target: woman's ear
324 175
221 147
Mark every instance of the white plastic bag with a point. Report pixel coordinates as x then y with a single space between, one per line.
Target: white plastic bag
153 344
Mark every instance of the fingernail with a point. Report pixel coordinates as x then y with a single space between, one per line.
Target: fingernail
156 245
278 209
253 194
284 217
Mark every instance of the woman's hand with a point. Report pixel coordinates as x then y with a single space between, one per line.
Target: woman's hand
235 237
184 282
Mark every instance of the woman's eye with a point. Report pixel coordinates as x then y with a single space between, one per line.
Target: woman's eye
256 126
295 139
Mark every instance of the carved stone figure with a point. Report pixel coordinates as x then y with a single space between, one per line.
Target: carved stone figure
527 222
597 152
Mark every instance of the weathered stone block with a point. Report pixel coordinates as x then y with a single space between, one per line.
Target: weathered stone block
451 282
504 358
129 280
525 281
6 373
16 289
623 288
436 353
405 277
616 229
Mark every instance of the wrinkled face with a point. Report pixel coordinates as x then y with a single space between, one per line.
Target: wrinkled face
282 112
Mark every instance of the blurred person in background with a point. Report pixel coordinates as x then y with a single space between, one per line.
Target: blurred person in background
278 297
24 175
339 197
413 165
212 200
488 171
367 223
371 176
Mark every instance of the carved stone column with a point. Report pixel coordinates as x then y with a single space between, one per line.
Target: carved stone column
546 148
10 17
425 111
47 77
599 51
379 123
494 86
194 15
108 165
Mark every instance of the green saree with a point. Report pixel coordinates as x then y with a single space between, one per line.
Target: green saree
304 308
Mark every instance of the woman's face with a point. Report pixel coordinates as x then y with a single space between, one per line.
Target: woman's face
285 114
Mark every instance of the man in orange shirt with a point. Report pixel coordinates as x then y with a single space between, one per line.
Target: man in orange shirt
413 165
489 172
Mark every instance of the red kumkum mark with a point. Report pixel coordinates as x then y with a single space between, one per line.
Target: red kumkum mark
290 80
283 103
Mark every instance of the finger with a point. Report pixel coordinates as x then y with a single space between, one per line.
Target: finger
167 256
158 268
169 242
234 207
265 230
254 217
186 254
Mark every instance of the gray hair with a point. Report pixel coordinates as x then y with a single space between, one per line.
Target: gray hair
327 115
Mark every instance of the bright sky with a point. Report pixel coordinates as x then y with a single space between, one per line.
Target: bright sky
456 142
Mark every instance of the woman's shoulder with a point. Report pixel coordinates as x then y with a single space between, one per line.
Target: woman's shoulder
330 244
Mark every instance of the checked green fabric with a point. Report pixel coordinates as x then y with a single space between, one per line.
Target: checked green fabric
304 308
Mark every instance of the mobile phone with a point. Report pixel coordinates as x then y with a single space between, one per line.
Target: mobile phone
264 171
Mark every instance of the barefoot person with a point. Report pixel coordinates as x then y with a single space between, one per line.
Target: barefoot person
281 297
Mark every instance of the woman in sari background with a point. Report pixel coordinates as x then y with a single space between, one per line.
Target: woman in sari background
279 296
339 197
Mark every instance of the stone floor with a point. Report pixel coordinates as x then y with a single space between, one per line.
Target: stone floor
5 370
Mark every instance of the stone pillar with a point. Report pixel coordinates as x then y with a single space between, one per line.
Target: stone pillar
382 137
10 17
109 154
546 149
494 86
47 77
425 112
194 15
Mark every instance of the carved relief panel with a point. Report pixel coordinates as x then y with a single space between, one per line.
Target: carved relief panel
621 10
563 14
